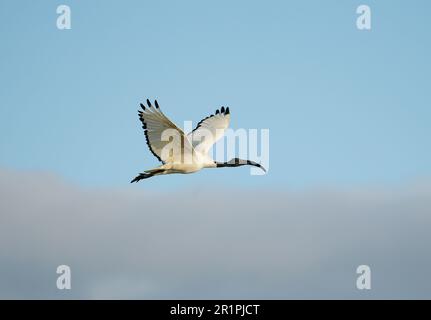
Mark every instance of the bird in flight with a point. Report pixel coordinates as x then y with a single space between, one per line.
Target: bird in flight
181 153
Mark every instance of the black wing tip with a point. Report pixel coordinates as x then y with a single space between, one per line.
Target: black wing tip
150 105
223 110
141 117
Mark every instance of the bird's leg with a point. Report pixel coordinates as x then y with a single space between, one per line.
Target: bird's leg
147 174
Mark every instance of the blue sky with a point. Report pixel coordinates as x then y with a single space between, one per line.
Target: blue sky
349 178
344 107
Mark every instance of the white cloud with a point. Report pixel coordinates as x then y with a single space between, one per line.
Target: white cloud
135 243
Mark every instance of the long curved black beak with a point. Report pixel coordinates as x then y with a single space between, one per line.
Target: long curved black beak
252 163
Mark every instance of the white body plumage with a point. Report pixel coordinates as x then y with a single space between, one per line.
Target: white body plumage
184 153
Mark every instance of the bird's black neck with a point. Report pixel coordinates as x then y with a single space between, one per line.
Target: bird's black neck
236 162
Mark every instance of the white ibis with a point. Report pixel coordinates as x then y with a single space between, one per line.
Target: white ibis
189 153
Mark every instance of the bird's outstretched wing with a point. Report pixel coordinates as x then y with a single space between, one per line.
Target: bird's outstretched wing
209 130
159 131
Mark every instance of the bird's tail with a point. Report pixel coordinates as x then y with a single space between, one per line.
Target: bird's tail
147 174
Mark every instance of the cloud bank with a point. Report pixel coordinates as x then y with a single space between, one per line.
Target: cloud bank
204 244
